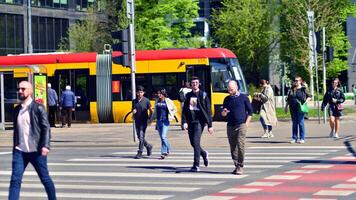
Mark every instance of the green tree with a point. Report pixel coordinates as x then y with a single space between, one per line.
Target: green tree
294 27
165 23
246 28
90 33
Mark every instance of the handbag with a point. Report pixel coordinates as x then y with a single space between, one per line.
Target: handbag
303 107
340 107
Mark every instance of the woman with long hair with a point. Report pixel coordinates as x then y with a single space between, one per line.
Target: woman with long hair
268 116
334 97
297 95
164 112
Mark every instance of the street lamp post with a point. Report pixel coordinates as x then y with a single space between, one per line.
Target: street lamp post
29 27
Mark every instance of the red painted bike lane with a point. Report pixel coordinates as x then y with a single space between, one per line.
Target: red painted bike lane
322 181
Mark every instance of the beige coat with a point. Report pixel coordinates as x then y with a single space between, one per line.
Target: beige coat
268 110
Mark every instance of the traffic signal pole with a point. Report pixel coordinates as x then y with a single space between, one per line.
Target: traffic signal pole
130 11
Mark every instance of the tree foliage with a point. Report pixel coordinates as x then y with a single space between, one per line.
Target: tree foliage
88 34
294 27
165 23
247 28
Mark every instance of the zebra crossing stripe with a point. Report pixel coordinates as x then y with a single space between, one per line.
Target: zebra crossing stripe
5 153
189 160
140 175
93 195
299 147
215 198
157 160
211 154
122 182
159 165
111 187
334 192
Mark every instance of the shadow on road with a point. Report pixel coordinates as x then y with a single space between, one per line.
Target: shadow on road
335 162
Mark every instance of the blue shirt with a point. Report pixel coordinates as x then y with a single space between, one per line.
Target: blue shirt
162 110
239 107
68 99
52 97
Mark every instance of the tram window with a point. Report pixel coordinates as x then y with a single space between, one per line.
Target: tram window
166 81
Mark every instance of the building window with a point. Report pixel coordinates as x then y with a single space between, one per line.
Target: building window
61 4
19 2
83 5
47 33
11 34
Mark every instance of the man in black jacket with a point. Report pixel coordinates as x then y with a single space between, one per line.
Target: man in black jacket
197 113
31 142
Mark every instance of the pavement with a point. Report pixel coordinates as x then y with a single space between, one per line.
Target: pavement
120 135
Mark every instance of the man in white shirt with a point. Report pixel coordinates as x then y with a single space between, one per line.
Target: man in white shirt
31 142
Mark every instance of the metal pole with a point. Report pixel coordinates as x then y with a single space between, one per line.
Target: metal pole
311 48
316 72
131 15
283 83
324 73
2 124
29 20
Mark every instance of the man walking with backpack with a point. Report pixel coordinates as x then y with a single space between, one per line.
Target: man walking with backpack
197 113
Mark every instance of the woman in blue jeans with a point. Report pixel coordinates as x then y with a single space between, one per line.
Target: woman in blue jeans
297 94
164 112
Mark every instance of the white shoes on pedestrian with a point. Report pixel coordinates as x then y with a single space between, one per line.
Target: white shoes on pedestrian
267 134
336 135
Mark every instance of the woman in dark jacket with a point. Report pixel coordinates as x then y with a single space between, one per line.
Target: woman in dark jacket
334 97
297 94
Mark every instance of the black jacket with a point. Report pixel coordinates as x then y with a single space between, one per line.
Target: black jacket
203 104
39 128
330 94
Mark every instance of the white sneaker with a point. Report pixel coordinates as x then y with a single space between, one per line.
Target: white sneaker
270 134
293 142
336 135
265 135
301 141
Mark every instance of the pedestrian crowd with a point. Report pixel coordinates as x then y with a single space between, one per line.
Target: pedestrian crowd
32 123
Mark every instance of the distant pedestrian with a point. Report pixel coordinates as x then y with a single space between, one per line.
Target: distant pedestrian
197 113
297 95
354 91
67 105
267 112
140 108
164 112
52 105
31 142
334 97
238 109
181 97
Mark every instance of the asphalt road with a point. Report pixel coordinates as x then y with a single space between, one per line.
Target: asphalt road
95 161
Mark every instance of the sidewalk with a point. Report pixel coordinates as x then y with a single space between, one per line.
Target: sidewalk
120 135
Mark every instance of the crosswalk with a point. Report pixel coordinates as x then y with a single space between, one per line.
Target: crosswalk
117 175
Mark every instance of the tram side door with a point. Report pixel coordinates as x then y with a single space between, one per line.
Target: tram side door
203 73
78 79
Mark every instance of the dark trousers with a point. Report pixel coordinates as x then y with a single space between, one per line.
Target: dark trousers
237 136
20 161
66 115
52 115
141 132
195 131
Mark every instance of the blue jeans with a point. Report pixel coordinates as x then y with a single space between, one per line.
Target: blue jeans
162 127
297 122
264 125
20 161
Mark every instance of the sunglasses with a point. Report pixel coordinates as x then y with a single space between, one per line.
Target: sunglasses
21 88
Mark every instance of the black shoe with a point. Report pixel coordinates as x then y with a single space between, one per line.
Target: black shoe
237 171
206 159
63 126
195 169
138 155
149 150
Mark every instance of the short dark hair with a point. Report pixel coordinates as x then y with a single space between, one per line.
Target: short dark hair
140 88
193 78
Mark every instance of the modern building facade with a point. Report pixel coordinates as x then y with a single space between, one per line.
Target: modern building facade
50 22
351 33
